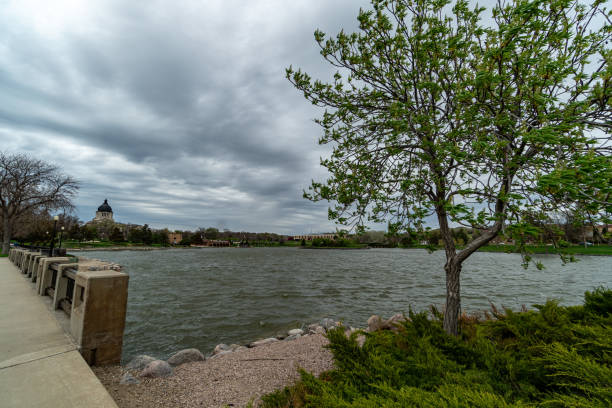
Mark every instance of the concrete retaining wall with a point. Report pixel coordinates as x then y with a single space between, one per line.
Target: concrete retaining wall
93 294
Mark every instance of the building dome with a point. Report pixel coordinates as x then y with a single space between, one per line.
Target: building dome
105 207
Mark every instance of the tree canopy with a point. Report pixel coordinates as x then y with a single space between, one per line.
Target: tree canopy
436 110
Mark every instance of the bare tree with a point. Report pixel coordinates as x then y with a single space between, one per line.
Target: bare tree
28 184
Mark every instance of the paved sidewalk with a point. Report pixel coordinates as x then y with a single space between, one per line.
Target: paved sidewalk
40 365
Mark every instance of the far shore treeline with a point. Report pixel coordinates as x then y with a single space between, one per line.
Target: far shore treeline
569 236
32 222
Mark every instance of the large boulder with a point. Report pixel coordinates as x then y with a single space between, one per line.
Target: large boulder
394 321
294 332
157 368
220 354
375 322
221 347
316 329
186 356
139 362
361 340
292 337
328 323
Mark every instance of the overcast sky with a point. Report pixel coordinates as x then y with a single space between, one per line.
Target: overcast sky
178 112
180 115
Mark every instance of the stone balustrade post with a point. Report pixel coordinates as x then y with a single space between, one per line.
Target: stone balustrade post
43 281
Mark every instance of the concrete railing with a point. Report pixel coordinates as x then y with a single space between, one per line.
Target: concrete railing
94 298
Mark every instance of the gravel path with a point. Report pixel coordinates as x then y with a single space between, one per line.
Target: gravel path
232 379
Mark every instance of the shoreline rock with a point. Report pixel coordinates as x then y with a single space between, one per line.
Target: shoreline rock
151 367
128 379
262 342
375 322
139 362
186 356
233 380
231 375
157 368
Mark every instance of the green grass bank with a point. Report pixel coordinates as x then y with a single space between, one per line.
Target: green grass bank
553 356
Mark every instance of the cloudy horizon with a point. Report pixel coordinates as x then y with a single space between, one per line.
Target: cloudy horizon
181 117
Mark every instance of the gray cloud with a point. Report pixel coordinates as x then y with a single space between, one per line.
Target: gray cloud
182 117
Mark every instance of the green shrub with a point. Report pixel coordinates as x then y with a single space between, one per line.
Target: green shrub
553 356
599 302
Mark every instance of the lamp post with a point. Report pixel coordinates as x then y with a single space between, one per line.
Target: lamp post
55 219
60 241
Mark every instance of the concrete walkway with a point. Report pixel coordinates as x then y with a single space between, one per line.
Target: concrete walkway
40 365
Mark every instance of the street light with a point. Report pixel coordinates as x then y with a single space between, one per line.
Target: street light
55 219
60 242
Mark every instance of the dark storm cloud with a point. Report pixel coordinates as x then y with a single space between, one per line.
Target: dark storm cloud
180 116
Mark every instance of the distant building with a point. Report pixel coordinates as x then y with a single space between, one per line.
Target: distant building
104 213
310 237
215 243
588 231
175 238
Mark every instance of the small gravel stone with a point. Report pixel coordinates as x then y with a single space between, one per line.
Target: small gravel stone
293 332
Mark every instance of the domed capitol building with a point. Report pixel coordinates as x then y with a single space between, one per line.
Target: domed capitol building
104 213
104 223
106 227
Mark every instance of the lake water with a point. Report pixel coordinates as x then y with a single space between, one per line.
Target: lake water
183 298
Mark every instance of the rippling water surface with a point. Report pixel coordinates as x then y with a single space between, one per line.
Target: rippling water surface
182 298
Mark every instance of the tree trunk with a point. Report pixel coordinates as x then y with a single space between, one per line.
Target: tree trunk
453 270
453 297
6 234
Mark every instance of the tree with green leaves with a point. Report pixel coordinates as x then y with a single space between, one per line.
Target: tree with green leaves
146 235
161 237
435 110
116 235
211 233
